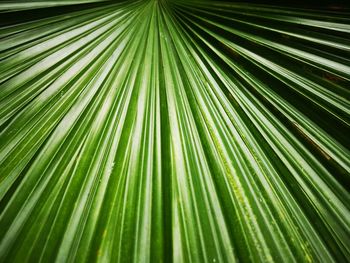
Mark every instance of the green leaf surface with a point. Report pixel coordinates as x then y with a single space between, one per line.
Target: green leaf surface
183 131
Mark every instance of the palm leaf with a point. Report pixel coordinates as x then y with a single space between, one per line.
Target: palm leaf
155 131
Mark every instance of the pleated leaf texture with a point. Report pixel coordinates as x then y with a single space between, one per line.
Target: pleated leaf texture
174 131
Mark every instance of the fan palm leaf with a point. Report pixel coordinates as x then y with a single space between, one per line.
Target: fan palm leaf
156 131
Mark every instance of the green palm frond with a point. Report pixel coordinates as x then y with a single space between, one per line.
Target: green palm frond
185 131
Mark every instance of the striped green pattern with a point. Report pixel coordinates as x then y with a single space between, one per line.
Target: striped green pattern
184 131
